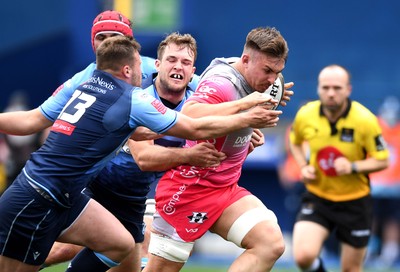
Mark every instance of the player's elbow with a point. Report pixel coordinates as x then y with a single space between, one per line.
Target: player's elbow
384 164
146 164
142 163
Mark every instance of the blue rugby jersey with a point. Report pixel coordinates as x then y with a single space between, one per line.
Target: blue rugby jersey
94 123
122 177
54 104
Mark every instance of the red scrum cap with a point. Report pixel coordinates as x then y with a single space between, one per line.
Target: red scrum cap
111 21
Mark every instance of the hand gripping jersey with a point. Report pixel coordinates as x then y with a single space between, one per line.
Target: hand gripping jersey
355 136
122 177
100 115
219 83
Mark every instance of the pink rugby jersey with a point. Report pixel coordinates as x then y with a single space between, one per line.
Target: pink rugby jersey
217 89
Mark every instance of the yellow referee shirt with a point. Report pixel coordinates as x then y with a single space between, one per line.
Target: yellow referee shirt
355 136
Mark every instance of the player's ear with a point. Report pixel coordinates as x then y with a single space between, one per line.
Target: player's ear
157 63
126 70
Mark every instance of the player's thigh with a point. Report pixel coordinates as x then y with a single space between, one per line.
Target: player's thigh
97 229
352 257
9 264
246 221
308 238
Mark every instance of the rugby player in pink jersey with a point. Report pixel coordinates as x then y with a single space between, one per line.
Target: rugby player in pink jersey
192 200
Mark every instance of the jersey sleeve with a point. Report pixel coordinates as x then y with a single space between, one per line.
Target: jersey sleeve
149 112
374 141
55 103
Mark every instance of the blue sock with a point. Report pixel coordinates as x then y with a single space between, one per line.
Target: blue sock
144 262
90 261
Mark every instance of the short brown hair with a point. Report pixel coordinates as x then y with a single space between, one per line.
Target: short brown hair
269 41
116 52
182 40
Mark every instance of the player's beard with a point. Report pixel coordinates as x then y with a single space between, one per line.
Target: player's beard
334 107
136 80
172 88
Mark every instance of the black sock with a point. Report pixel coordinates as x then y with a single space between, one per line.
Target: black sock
86 260
321 267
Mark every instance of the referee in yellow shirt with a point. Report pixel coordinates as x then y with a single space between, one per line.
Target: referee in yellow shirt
345 144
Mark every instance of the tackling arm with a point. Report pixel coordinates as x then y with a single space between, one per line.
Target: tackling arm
211 127
23 122
151 157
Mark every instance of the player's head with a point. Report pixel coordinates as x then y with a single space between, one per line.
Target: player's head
110 23
119 56
176 55
334 87
264 57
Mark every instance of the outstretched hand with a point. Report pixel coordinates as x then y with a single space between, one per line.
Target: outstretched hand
262 117
254 99
287 94
257 139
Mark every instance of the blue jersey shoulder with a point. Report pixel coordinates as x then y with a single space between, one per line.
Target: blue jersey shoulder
55 103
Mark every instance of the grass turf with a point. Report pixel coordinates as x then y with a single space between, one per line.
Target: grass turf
206 268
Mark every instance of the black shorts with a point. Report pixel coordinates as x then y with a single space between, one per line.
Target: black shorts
351 220
129 213
29 223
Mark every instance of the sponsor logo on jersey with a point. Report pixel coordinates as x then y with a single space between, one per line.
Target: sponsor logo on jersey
347 135
326 157
63 127
242 141
197 217
159 106
187 171
58 89
101 82
169 208
204 91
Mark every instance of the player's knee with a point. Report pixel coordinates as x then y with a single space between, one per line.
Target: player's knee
277 246
169 249
304 258
121 248
248 231
62 253
274 241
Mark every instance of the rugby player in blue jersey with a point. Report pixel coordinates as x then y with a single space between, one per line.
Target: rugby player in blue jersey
45 203
121 186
